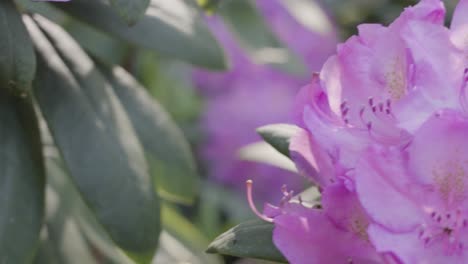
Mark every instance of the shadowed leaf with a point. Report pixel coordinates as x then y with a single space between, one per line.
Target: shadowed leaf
21 180
17 59
251 239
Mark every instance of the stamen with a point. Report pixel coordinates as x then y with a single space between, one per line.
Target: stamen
249 184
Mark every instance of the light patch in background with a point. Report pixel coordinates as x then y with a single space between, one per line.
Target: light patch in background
309 14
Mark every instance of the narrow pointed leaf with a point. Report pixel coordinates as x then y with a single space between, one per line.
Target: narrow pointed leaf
264 153
17 59
278 136
97 142
251 239
130 10
172 28
21 180
167 150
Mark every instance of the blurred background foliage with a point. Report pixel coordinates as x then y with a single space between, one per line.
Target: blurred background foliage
130 67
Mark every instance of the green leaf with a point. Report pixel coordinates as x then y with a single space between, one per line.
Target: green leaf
264 153
251 239
188 235
21 180
278 136
97 141
171 27
17 59
72 234
130 10
98 44
169 153
257 38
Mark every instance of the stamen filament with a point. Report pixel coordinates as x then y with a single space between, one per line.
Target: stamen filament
249 184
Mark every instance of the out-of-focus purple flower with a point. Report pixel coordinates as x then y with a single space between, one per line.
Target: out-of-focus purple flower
251 95
418 198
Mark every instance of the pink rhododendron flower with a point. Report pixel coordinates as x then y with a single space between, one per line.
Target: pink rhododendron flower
384 139
418 198
250 95
380 87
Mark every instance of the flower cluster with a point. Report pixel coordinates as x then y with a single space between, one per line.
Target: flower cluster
250 95
385 138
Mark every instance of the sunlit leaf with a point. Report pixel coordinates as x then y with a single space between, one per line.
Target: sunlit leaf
264 153
21 180
168 152
97 141
187 235
172 28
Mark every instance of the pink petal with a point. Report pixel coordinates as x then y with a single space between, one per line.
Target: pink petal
436 155
310 160
384 190
439 65
306 236
345 210
410 249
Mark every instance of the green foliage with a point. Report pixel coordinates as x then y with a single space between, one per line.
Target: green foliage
104 156
21 180
110 150
170 156
251 239
17 60
171 27
130 11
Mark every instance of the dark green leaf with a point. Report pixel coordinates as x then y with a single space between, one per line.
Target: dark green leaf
17 59
258 39
278 136
251 239
130 10
169 154
170 27
97 141
98 44
21 180
72 234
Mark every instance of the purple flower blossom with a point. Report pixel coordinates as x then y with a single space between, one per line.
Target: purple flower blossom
424 190
251 95
384 138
